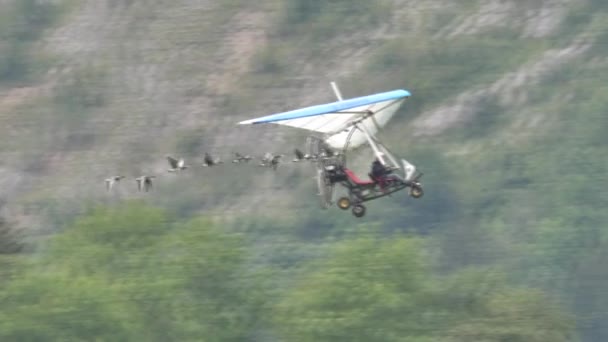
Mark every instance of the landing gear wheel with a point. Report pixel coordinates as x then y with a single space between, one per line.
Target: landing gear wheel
416 191
344 203
359 210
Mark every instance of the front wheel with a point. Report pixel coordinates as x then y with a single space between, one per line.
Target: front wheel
416 191
344 203
359 210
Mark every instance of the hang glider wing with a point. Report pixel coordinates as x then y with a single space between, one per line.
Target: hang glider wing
334 119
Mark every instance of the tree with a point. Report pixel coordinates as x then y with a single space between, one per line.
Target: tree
374 290
57 306
21 23
482 306
130 274
368 290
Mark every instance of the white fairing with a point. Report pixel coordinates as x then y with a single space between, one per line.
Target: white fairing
373 123
408 169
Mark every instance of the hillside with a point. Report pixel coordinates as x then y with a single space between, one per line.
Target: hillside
129 82
507 121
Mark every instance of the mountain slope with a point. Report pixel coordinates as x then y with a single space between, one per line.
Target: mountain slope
136 80
507 119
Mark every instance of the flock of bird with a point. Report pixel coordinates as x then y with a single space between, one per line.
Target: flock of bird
144 182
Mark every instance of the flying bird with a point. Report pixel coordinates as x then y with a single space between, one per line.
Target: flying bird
327 152
111 181
241 158
266 159
176 165
272 161
144 183
210 161
301 156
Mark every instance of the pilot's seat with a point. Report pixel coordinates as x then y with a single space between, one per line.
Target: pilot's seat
351 175
377 180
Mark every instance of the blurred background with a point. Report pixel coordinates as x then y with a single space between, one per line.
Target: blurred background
507 121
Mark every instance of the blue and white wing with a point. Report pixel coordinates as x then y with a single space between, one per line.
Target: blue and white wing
334 119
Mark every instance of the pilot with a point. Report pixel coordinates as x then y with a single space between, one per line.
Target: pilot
379 171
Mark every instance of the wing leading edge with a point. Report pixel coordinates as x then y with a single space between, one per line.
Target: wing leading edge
333 118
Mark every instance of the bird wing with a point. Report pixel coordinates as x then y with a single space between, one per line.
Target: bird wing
298 153
172 161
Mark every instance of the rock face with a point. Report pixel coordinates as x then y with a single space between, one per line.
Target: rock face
130 81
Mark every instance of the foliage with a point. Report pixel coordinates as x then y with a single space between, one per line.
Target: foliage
375 290
488 309
319 20
435 69
22 23
129 274
11 241
518 187
269 60
82 90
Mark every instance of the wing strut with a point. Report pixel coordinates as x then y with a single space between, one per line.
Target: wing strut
381 151
336 91
371 142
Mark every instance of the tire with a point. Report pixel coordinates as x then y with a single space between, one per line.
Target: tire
359 210
344 203
416 191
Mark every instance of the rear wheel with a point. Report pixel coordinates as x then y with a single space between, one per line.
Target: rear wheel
359 210
344 203
416 191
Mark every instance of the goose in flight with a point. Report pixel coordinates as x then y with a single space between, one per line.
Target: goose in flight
241 158
144 183
111 181
176 165
271 160
266 159
301 156
210 161
275 161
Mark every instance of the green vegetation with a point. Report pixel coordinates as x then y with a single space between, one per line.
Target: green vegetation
319 20
376 290
10 240
83 91
129 274
135 273
525 198
508 243
21 24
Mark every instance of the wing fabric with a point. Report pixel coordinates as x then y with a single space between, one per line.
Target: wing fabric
332 117
373 123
